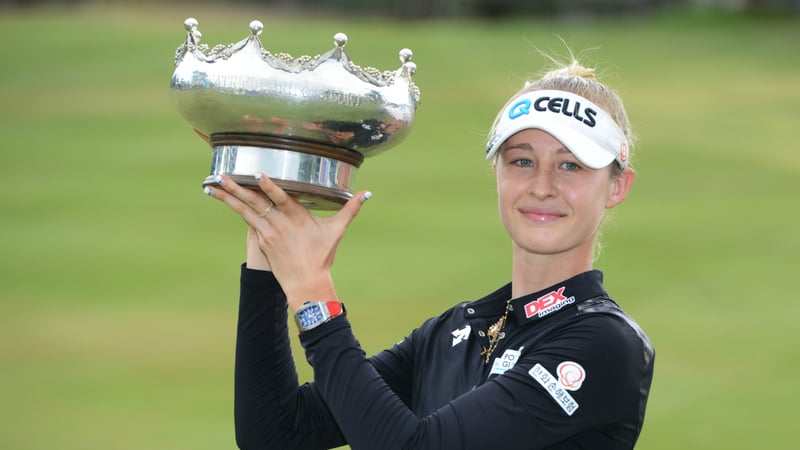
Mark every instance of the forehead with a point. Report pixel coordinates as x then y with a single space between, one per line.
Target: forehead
533 138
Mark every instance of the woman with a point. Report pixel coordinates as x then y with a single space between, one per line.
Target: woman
546 361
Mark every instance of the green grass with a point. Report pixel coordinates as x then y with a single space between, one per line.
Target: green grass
119 277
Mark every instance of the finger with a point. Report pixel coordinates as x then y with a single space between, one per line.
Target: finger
243 209
253 199
351 209
279 197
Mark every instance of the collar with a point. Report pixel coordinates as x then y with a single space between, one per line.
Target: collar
537 305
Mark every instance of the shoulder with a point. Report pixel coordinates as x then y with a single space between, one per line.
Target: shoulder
452 317
598 358
614 328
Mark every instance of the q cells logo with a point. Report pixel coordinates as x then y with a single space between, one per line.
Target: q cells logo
558 105
570 375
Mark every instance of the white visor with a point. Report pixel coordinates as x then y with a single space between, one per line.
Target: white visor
584 128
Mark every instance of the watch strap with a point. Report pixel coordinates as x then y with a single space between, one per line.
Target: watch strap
314 314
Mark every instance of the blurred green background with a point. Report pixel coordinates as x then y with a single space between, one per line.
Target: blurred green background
118 288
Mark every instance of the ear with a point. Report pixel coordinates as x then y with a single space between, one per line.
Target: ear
620 187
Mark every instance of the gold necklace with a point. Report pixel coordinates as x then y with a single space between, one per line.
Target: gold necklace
494 332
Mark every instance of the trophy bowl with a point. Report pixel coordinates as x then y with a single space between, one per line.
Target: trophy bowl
307 122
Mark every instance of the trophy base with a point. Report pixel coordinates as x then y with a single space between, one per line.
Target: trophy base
319 176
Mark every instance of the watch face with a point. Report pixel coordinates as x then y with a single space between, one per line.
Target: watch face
307 317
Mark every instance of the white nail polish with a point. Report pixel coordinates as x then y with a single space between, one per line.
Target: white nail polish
207 191
258 176
366 196
218 179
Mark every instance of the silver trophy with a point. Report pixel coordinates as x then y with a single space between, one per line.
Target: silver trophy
307 122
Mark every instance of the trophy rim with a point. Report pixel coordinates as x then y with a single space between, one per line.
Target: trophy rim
320 177
284 143
309 195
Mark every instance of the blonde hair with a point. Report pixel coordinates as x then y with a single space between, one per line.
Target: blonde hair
577 79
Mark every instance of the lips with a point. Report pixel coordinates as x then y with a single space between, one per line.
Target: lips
542 215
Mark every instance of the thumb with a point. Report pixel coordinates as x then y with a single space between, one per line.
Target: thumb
351 209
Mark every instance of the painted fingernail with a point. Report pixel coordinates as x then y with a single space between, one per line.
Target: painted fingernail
366 196
258 176
208 191
218 179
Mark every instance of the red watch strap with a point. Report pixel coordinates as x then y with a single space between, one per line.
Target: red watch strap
334 308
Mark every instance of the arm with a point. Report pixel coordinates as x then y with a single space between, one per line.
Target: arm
270 410
269 404
512 411
372 416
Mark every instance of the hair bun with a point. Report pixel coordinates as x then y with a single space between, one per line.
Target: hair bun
573 69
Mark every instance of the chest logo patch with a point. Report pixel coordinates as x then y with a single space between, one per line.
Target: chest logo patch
460 335
548 303
505 362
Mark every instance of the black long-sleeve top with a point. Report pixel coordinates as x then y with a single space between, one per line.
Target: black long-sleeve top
572 371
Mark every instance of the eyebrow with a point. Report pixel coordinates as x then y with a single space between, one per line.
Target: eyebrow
529 147
520 145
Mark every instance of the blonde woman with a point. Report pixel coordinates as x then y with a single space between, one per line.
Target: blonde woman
547 361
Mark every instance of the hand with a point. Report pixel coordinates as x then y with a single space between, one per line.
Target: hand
299 246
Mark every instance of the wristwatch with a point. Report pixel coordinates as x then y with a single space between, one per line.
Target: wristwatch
314 314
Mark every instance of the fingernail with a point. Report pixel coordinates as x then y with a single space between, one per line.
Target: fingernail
207 191
258 176
218 179
366 196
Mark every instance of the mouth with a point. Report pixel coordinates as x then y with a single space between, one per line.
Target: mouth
542 215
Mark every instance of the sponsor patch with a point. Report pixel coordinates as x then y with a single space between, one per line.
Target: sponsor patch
460 335
554 387
571 375
505 362
548 303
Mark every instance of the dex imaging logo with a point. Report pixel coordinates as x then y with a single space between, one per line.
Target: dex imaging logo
548 303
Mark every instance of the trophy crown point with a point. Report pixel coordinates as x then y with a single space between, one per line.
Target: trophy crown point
256 27
405 55
340 40
190 24
410 67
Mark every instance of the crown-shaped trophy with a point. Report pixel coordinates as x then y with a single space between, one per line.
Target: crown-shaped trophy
307 122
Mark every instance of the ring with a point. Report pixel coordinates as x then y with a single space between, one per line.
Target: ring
266 211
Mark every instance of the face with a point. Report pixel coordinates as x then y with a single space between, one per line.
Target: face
551 203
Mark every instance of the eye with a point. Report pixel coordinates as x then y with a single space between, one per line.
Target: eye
523 162
570 166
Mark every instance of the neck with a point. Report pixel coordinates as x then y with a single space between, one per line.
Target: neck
533 272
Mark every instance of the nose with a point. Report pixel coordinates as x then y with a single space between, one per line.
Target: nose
543 184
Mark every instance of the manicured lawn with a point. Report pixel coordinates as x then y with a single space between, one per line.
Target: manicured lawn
118 288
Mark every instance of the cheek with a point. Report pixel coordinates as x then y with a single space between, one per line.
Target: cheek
507 192
588 198
508 189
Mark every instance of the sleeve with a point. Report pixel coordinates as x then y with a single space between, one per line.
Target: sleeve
270 409
396 367
521 409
